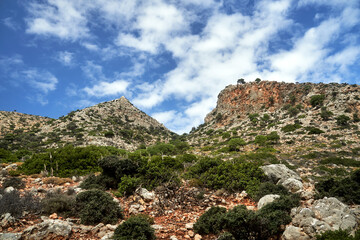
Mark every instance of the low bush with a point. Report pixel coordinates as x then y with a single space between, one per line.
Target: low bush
346 190
341 161
14 204
101 182
226 236
337 235
128 185
14 182
212 221
290 127
95 206
317 100
59 203
57 180
266 188
136 228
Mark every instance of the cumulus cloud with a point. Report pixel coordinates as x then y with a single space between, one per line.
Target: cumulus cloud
107 88
211 44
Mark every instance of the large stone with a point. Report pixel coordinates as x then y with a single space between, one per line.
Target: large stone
294 233
10 236
278 173
292 184
145 194
53 228
267 199
7 220
9 189
325 214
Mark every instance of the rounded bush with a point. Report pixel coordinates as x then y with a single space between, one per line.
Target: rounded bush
58 203
14 182
95 206
211 221
135 228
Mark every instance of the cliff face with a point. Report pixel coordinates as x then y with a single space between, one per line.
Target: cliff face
115 123
236 102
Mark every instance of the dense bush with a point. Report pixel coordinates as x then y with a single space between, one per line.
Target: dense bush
347 189
95 206
236 143
290 127
212 221
341 161
337 235
266 188
226 236
101 182
13 182
128 185
325 114
246 224
68 160
59 203
314 130
235 175
162 149
317 100
342 120
14 204
136 228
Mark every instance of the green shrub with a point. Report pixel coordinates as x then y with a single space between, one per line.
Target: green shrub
15 204
317 100
135 228
341 161
211 221
162 149
347 189
337 235
109 134
226 236
58 203
260 140
266 188
235 143
325 114
343 120
95 206
314 130
101 182
13 182
128 185
290 127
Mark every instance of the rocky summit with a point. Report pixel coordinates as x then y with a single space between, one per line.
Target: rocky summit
272 161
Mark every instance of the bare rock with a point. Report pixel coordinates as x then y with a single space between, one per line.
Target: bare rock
294 233
55 228
267 199
278 173
10 236
145 194
293 185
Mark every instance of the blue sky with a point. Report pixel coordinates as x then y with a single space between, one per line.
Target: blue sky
169 58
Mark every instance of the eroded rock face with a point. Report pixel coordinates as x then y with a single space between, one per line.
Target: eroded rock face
267 199
294 233
48 229
325 214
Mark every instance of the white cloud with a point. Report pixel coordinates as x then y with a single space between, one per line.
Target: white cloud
165 117
65 57
91 46
61 18
107 88
42 81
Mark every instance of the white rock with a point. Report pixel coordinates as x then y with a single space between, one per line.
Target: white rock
267 199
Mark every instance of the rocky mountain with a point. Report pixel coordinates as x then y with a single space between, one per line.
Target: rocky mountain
115 123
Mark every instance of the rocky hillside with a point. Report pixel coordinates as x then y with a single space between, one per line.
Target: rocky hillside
115 123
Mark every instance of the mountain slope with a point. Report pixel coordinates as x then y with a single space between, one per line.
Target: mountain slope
115 123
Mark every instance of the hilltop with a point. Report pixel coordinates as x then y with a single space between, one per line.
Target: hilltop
115 123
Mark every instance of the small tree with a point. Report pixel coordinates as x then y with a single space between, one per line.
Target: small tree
241 81
317 100
257 80
235 143
342 120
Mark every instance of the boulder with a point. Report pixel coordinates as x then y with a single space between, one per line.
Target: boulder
292 184
48 229
145 194
10 236
325 214
9 189
267 199
294 233
278 173
7 220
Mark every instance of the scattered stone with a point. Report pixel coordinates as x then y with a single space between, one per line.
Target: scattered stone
191 233
173 238
145 194
7 220
136 208
267 199
53 216
197 237
9 189
189 226
157 227
108 236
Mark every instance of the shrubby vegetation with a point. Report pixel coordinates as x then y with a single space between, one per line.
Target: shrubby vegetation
240 223
136 227
317 100
347 189
337 235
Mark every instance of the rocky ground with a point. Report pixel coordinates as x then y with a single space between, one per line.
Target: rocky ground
175 211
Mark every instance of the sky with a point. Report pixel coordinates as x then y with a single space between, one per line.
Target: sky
170 58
